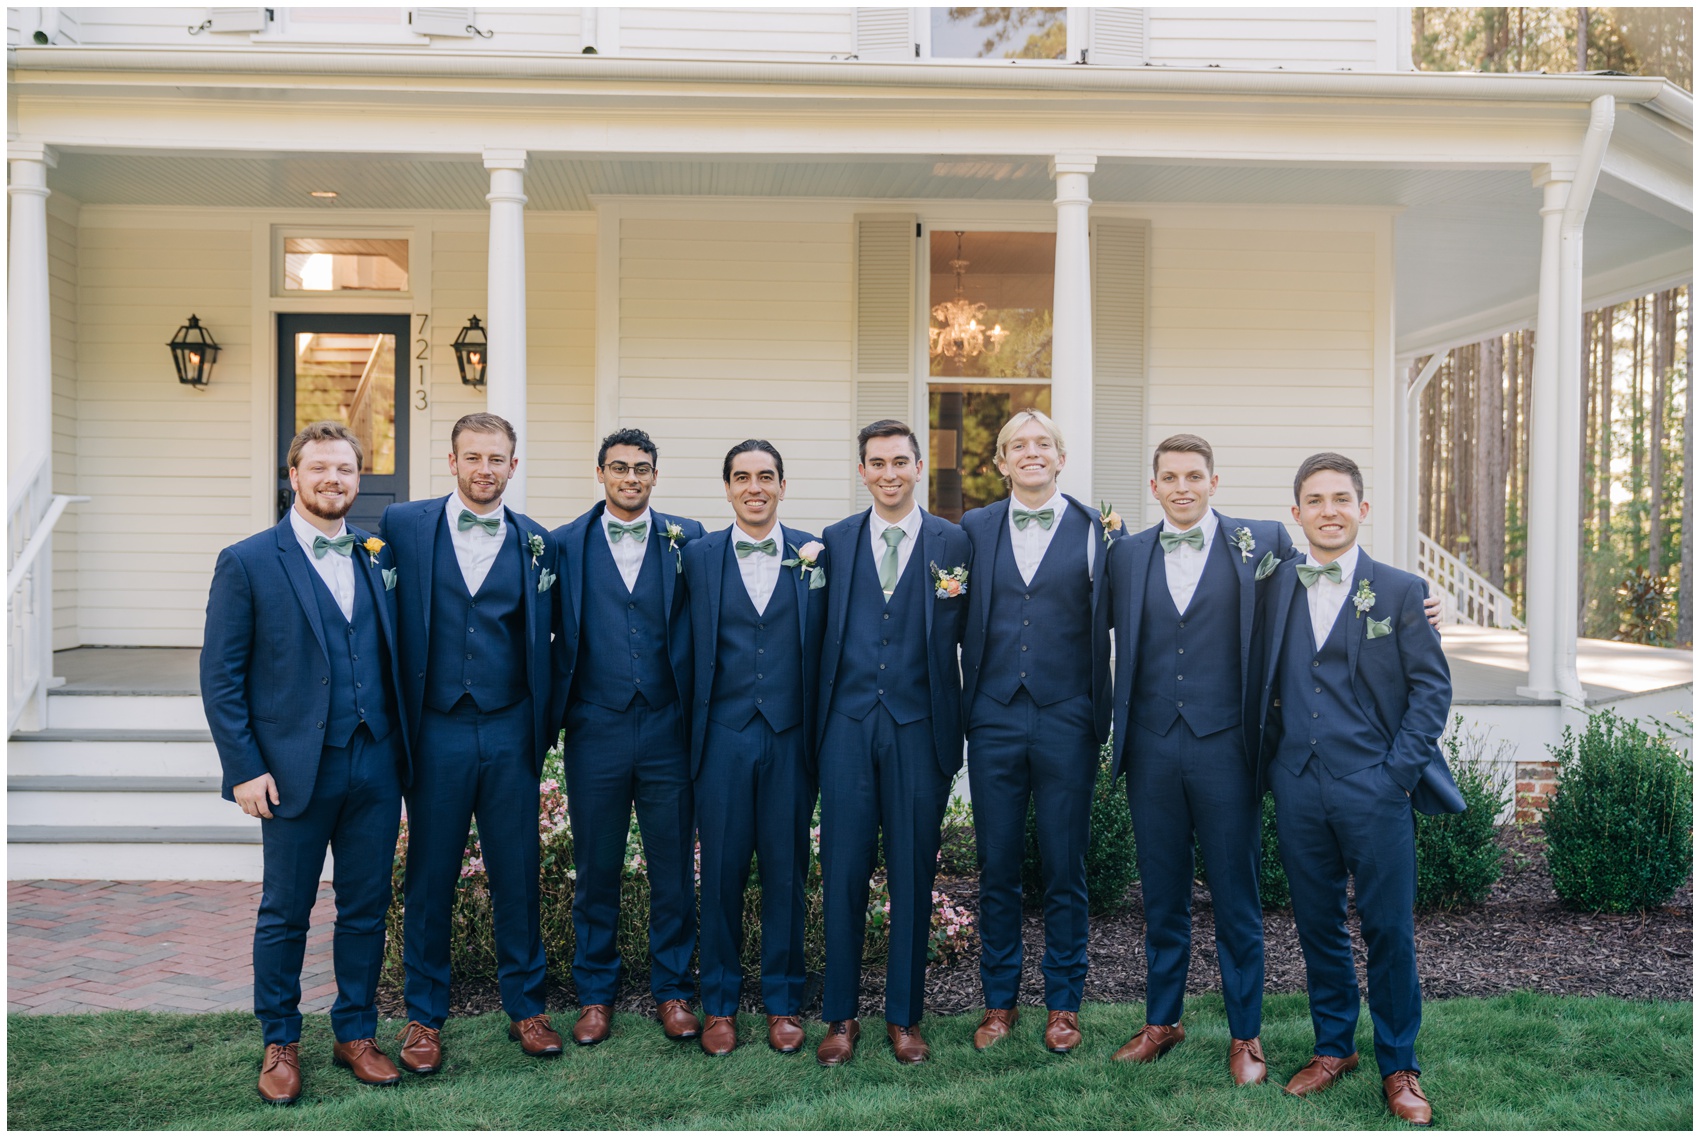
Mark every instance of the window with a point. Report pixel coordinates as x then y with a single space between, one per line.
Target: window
344 264
349 377
999 33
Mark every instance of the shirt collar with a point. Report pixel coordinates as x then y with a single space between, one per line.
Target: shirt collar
1348 562
910 525
1207 525
306 531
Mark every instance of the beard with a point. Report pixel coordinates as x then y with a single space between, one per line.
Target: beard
319 510
483 495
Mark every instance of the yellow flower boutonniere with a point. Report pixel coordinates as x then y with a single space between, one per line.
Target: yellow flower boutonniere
373 546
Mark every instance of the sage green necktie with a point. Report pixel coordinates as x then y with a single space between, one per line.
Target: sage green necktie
1308 574
618 530
1173 541
766 545
888 563
492 524
1044 517
343 545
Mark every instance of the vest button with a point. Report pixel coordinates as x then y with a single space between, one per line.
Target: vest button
1024 647
1313 742
468 683
1024 675
882 691
761 651
632 606
1318 691
1025 623
883 643
634 655
1183 624
1180 703
758 676
1026 596
761 626
1316 663
321 725
1316 715
886 616
882 667
1180 677
324 679
469 655
633 631
1181 651
362 713
472 630
357 684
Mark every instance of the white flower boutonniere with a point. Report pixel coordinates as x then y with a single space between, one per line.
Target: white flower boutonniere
1245 543
675 535
535 544
949 583
804 563
1110 520
373 546
1364 598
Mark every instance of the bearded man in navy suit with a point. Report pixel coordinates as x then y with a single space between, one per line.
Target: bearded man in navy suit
476 597
890 732
756 621
300 683
1354 696
1036 702
627 664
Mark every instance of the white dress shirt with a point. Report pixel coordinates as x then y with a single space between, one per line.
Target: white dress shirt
1327 597
628 554
1031 544
335 570
911 527
760 571
475 548
1184 565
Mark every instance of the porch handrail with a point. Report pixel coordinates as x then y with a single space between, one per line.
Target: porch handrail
42 535
1465 595
21 487
32 513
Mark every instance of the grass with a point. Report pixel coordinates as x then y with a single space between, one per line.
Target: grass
1521 1061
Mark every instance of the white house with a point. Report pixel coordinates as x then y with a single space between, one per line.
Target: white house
723 222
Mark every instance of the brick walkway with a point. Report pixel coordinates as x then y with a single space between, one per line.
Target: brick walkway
178 946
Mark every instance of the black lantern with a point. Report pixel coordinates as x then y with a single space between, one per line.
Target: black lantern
472 353
194 351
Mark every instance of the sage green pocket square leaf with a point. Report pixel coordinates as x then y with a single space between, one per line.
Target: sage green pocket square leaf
389 579
1265 567
544 580
1380 627
817 578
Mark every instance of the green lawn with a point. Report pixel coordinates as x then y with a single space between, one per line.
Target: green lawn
1512 1062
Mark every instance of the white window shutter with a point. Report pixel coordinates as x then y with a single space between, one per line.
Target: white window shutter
1118 37
884 328
1120 303
885 34
236 19
441 21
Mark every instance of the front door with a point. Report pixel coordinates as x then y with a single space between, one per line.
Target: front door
343 367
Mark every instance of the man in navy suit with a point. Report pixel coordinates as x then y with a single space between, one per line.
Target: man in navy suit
756 622
629 674
1036 702
1354 697
299 679
475 592
890 734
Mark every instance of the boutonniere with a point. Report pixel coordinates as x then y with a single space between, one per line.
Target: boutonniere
804 562
1245 543
1265 567
1383 627
373 546
1364 598
949 582
675 535
1110 520
535 544
389 579
544 580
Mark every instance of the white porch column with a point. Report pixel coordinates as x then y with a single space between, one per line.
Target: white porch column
29 343
504 384
1071 322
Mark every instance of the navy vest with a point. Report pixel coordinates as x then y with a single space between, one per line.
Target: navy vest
478 644
1189 665
359 678
885 643
1319 714
622 647
758 659
1039 635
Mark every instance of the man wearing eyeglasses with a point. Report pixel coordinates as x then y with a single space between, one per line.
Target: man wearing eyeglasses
628 669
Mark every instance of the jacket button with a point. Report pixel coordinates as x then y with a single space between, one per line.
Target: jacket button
882 667
758 676
324 679
761 651
1180 703
469 655
1024 675
1181 651
882 691
1318 691
1180 677
1313 742
321 725
1315 715
1024 647
421 675
758 699
1025 623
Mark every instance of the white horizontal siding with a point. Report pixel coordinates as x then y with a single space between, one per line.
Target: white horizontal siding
1304 38
511 29
62 305
737 33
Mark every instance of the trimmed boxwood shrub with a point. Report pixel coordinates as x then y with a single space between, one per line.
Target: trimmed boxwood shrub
1458 855
1619 827
1111 864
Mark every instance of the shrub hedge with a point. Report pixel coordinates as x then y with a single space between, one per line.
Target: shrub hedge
1458 855
1111 861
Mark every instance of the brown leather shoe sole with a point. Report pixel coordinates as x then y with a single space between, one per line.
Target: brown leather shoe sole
423 1069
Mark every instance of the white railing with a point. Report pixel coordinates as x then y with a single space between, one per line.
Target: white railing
1465 595
31 513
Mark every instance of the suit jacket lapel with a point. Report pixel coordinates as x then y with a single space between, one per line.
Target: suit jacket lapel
1095 559
668 562
1141 565
1286 585
799 581
997 517
528 594
575 565
1356 629
1246 569
425 556
295 568
840 595
925 550
717 543
376 582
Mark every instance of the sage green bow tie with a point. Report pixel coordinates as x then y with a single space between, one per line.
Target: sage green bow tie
343 545
1044 517
766 545
1308 574
618 530
492 524
1173 541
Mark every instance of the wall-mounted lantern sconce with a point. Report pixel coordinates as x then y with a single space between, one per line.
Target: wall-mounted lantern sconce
193 351
472 353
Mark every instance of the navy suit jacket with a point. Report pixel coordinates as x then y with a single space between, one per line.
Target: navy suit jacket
984 526
570 538
1130 563
705 569
412 529
1400 681
942 543
264 660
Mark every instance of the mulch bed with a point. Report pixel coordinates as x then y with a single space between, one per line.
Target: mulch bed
1518 940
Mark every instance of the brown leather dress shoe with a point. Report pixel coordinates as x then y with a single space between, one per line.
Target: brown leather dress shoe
421 1049
536 1037
785 1034
906 1043
370 1065
1062 1032
839 1046
1322 1072
280 1073
1246 1063
1406 1099
719 1034
1150 1043
677 1020
997 1023
592 1025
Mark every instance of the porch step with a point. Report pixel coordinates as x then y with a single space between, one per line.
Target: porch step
134 835
96 803
136 853
135 712
82 784
112 735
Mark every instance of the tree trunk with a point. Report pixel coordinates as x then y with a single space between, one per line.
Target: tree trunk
1581 39
1664 322
1685 585
1602 495
1489 491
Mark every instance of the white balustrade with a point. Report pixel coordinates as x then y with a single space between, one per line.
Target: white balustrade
1465 595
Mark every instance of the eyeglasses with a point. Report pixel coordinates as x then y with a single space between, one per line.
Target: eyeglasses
621 469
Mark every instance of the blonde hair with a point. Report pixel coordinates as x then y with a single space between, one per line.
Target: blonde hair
1019 420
